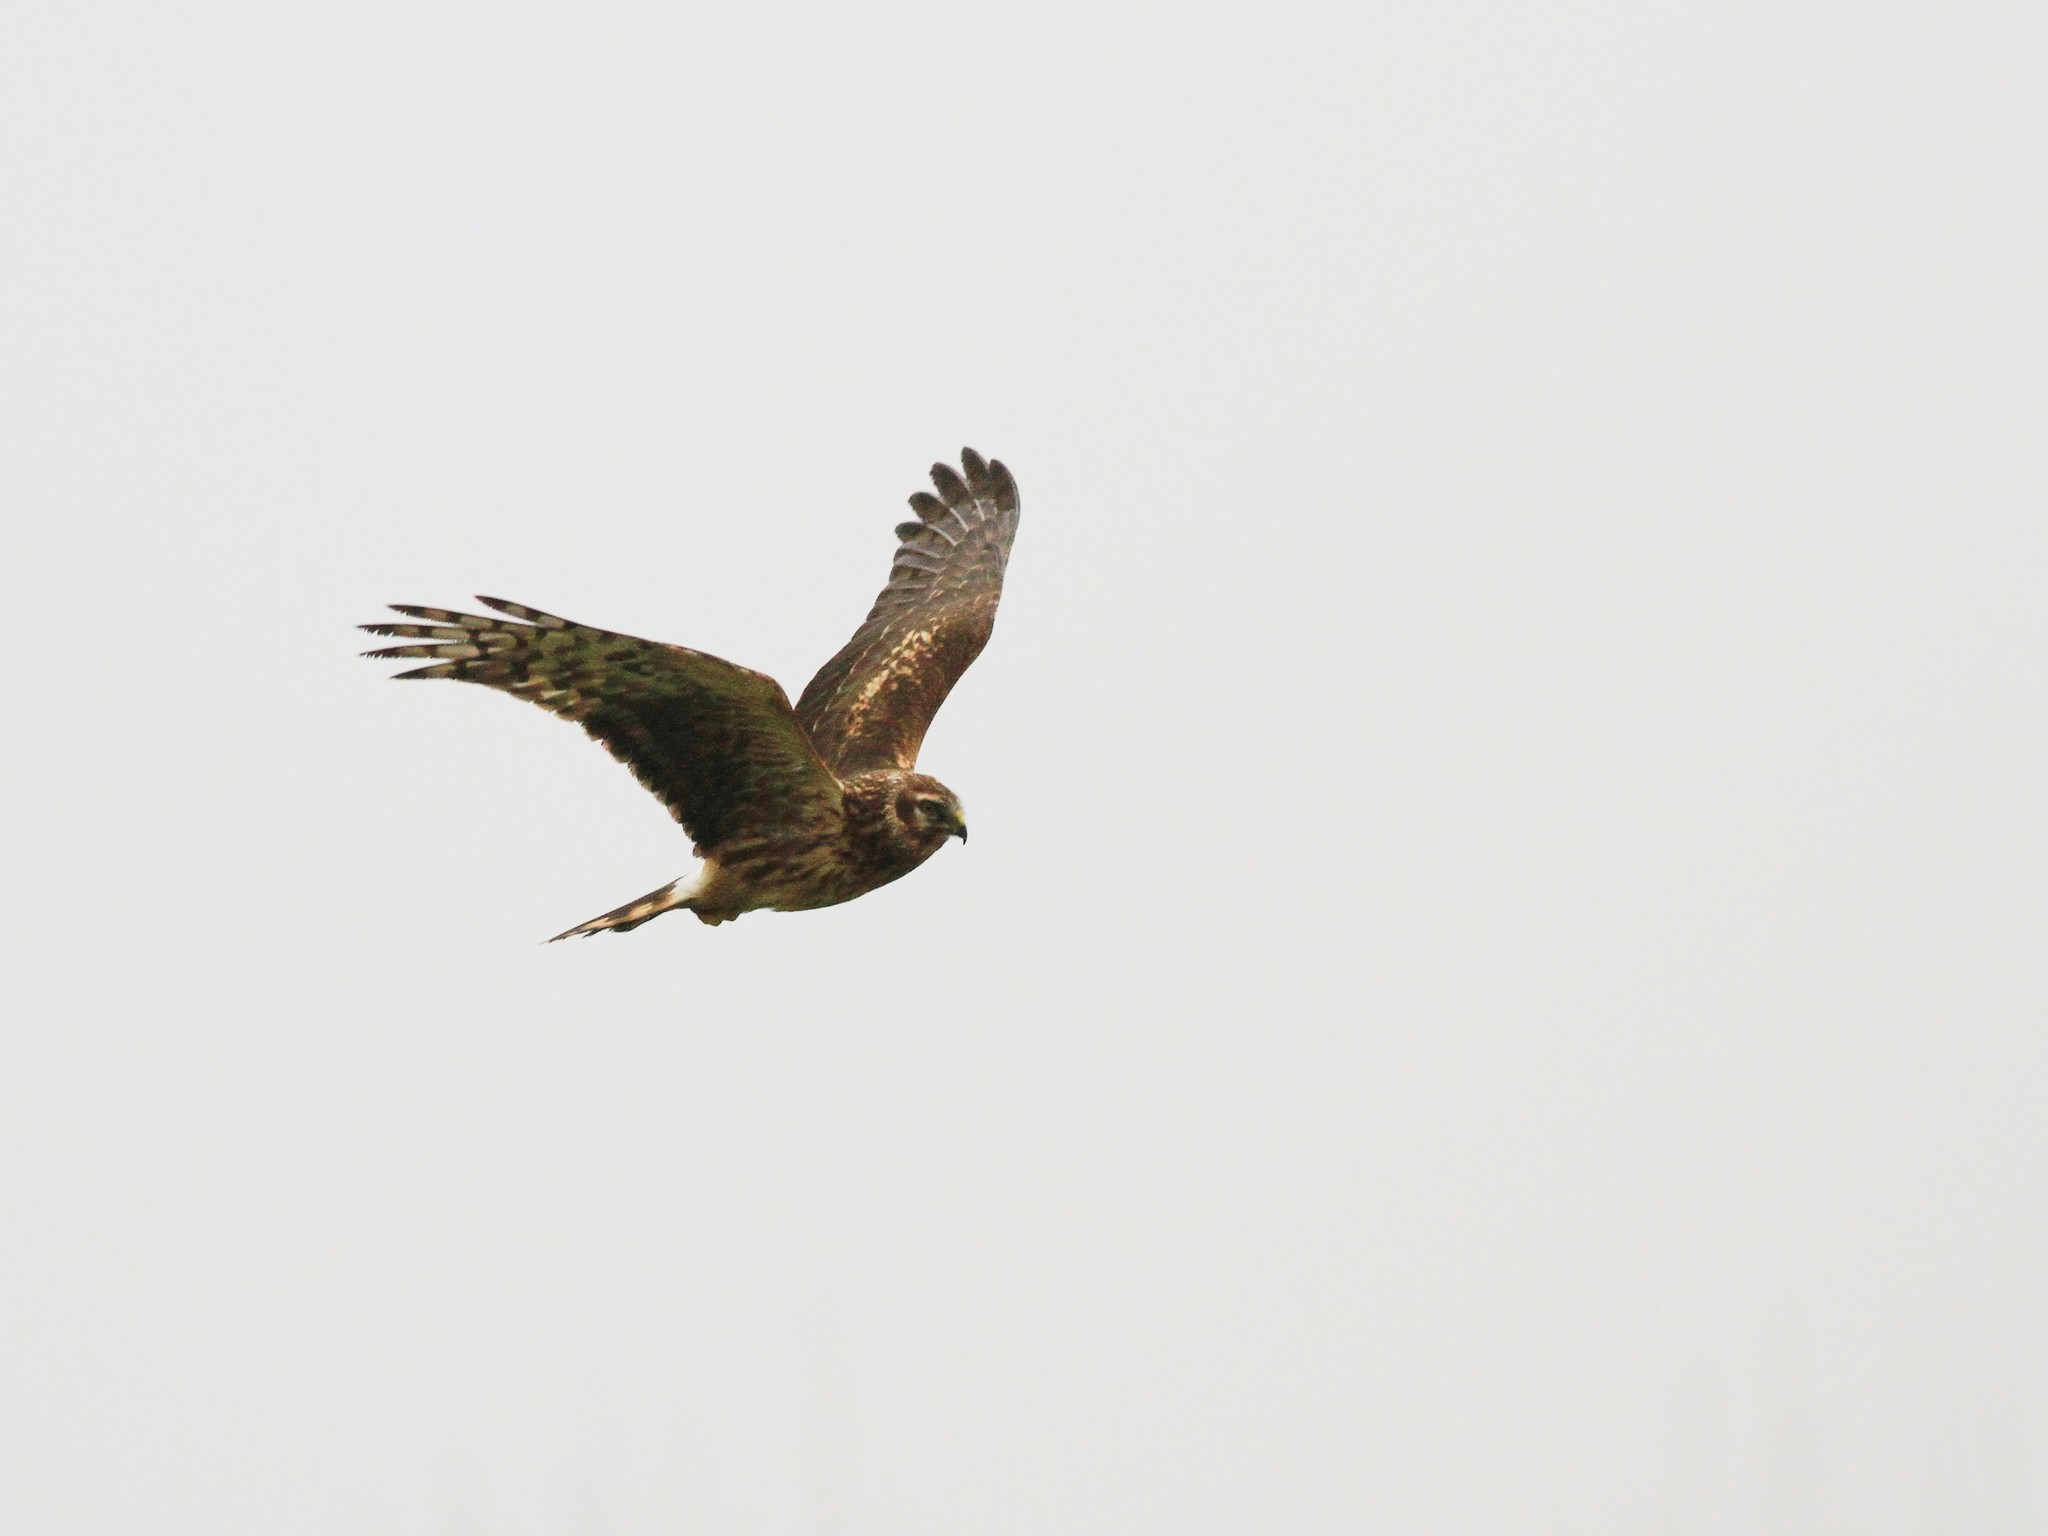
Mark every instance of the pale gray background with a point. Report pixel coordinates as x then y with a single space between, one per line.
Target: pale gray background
1498 983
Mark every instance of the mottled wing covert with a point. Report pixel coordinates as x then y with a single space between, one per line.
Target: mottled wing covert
869 706
716 743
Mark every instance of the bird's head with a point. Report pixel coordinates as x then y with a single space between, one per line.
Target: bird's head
929 811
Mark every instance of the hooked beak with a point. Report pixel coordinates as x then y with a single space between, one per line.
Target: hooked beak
960 826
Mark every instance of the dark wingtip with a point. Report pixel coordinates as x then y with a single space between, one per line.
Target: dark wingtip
1004 484
952 489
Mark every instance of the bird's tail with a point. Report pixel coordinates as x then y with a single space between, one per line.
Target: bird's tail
676 893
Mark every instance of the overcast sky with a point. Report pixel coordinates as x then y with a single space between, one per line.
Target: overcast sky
1499 981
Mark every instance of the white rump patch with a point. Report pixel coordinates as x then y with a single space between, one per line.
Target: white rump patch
692 884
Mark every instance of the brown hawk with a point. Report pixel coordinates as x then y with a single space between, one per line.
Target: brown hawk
788 808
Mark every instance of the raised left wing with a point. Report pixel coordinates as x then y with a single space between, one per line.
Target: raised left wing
870 705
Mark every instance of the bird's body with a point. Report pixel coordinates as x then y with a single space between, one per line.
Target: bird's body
806 867
790 808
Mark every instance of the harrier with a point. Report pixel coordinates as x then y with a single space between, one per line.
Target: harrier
789 809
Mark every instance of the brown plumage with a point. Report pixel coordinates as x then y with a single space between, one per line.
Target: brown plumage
788 808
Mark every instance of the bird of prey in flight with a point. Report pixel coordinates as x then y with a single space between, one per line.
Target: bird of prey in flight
789 809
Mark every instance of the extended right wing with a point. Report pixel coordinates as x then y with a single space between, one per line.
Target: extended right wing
716 743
